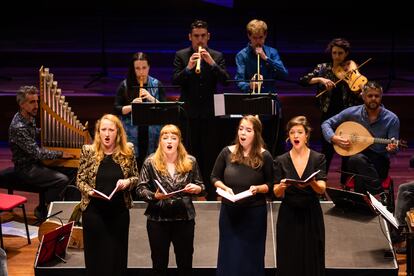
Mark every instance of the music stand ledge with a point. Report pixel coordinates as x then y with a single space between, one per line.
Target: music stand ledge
161 113
238 104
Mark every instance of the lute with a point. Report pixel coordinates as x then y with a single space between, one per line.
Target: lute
360 138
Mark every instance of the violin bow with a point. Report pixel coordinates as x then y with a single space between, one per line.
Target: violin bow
359 66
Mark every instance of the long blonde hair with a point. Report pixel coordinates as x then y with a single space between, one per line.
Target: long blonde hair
183 164
122 151
255 158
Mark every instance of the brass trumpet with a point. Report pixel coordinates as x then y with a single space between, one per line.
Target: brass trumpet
198 66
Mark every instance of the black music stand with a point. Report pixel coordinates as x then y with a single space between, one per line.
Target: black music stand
351 201
238 104
54 244
144 114
235 105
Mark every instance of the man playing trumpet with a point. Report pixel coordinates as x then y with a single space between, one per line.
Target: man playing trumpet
197 90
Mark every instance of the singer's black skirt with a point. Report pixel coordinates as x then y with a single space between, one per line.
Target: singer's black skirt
242 240
105 236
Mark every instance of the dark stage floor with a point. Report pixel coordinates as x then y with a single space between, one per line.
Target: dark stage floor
355 243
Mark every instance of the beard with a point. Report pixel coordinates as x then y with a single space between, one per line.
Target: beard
372 105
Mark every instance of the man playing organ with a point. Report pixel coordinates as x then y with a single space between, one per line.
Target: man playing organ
27 154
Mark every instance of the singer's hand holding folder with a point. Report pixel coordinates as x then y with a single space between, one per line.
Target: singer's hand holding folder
234 198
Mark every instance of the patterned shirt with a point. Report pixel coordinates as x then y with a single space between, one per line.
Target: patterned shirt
334 101
25 150
179 206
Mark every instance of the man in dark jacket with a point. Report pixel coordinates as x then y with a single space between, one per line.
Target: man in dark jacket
197 91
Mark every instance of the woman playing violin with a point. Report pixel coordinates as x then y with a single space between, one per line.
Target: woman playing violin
338 96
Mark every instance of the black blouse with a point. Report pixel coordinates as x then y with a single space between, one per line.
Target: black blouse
179 206
240 177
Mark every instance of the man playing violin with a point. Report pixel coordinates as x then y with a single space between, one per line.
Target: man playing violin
370 166
338 96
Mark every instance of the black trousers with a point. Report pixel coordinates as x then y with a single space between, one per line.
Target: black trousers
372 168
181 234
41 176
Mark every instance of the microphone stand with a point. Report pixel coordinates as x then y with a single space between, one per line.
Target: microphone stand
104 68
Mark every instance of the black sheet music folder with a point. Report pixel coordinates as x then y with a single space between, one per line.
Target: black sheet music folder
156 113
233 104
351 200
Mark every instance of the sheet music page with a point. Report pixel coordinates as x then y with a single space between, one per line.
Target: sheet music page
383 210
234 198
219 105
164 191
104 195
298 181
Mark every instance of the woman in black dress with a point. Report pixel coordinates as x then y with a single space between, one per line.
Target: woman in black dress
108 164
243 224
300 236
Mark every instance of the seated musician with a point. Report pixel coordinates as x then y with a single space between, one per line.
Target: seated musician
370 166
27 154
405 201
271 66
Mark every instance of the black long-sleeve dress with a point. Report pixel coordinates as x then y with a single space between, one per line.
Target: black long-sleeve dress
243 224
300 227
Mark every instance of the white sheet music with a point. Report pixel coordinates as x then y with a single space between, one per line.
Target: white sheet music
164 191
234 198
383 210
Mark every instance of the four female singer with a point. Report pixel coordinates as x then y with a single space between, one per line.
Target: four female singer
300 230
108 164
170 217
246 165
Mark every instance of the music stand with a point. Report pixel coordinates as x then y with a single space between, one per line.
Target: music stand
238 104
350 200
235 105
161 113
54 244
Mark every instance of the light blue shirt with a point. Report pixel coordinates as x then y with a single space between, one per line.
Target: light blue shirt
387 125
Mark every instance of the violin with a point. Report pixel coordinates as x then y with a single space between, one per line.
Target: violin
348 72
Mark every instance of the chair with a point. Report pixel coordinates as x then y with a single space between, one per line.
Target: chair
10 180
8 203
387 185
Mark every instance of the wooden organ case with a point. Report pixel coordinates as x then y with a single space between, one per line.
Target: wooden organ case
60 128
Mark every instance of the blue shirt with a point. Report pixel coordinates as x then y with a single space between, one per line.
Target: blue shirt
387 125
272 68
